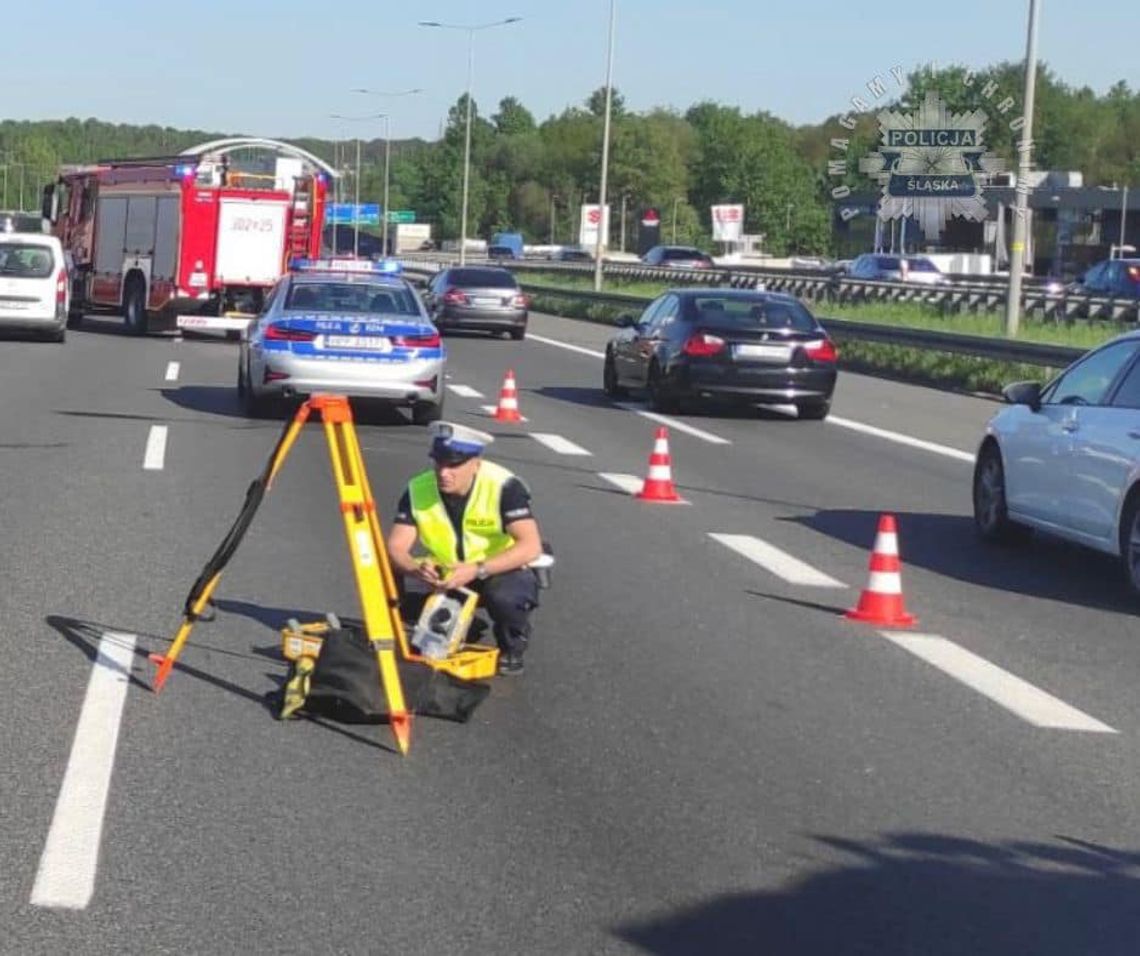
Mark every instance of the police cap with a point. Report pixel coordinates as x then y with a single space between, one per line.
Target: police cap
453 444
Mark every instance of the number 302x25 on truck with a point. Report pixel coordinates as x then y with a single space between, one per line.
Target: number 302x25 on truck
193 241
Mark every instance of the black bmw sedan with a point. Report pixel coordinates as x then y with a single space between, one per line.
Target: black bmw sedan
724 345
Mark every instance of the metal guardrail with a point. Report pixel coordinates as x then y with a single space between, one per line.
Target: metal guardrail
972 294
977 346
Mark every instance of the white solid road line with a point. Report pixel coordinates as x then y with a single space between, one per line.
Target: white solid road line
1017 696
678 425
66 875
172 372
465 391
559 444
901 439
155 448
565 345
628 483
778 562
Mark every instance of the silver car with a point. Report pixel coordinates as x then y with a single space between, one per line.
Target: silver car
349 327
35 295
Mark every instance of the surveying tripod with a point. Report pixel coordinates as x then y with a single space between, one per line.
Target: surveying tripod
375 582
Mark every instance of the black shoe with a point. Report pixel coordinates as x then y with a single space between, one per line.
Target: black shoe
509 665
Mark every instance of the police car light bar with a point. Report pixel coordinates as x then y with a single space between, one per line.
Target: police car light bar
369 266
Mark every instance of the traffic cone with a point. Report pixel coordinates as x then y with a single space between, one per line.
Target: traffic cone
659 482
881 602
508 409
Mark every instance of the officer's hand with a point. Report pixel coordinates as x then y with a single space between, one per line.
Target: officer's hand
426 572
461 576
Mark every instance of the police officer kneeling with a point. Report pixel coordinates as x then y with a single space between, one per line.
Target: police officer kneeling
474 519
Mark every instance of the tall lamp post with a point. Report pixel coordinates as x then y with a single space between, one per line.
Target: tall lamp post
603 224
1017 248
356 184
470 30
387 153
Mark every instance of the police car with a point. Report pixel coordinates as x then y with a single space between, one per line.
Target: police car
347 326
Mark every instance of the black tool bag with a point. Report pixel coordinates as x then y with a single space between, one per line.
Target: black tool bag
345 685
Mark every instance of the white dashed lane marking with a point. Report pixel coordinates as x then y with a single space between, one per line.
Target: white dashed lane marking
172 372
674 423
559 444
155 454
778 562
1017 696
628 483
465 391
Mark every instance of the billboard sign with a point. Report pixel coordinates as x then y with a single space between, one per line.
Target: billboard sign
588 226
728 223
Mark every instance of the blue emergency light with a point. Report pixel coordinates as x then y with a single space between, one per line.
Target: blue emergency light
388 267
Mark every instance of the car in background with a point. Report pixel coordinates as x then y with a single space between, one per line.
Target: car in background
35 293
573 254
1115 278
348 326
738 346
478 298
678 257
1064 458
879 267
23 222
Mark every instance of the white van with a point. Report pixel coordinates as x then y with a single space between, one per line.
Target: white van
35 294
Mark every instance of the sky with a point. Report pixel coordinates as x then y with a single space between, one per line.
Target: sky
278 68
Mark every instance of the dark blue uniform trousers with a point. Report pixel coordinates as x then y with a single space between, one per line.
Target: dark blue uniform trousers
509 600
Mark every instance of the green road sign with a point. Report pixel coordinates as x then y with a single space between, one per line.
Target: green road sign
402 215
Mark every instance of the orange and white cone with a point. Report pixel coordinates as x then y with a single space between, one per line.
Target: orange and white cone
658 484
881 602
508 408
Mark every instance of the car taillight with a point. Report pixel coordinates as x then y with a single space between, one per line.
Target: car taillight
61 289
522 301
454 297
429 341
703 345
822 351
276 333
1134 273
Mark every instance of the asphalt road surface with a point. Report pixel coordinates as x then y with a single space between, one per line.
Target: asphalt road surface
702 757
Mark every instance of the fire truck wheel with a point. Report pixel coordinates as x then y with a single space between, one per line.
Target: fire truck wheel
134 307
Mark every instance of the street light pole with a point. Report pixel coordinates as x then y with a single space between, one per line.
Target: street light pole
387 150
356 206
603 223
1017 249
552 198
676 199
470 31
1123 218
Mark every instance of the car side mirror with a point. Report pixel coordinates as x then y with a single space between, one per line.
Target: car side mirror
49 205
626 321
1023 393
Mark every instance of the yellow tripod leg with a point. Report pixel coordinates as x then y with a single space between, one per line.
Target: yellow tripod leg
166 661
389 579
366 550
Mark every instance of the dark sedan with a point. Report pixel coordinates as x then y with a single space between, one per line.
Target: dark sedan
484 299
734 345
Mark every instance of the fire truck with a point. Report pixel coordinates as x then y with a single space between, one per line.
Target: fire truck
193 241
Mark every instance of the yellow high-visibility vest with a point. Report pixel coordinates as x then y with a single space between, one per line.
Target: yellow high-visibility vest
483 534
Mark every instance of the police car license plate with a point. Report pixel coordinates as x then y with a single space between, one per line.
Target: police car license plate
364 343
763 353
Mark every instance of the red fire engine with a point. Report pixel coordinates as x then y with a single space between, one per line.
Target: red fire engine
194 240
